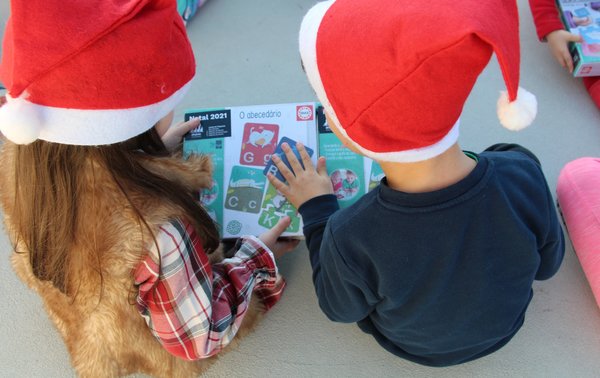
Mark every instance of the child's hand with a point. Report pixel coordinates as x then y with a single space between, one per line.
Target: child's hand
558 42
305 183
279 246
173 136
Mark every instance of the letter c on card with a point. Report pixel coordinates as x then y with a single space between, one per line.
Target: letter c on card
233 201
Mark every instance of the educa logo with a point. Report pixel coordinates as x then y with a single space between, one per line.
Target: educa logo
304 113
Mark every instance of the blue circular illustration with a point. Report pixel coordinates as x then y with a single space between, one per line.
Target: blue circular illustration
234 227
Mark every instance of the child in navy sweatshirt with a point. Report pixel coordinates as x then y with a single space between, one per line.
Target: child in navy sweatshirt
438 261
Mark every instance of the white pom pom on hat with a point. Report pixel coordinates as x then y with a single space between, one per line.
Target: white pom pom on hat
19 123
518 114
394 76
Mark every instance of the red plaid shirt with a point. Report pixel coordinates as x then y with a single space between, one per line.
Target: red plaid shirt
195 309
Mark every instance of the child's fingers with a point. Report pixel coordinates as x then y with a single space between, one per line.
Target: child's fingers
177 131
280 227
283 169
565 60
291 157
574 38
321 166
308 165
561 58
568 63
278 184
270 237
184 127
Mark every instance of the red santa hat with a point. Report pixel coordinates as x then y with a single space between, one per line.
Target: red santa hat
394 75
91 72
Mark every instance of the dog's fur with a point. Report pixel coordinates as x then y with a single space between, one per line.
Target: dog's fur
103 331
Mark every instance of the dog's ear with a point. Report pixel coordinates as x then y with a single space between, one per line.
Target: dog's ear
194 173
200 167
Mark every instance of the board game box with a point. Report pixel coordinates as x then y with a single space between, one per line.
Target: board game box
241 141
352 175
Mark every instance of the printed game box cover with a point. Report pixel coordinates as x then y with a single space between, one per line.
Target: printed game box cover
241 141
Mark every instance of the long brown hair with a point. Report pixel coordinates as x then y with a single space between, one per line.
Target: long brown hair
48 179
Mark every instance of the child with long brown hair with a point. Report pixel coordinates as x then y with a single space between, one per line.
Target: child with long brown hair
103 218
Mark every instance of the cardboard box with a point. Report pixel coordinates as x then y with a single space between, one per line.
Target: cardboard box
583 18
241 141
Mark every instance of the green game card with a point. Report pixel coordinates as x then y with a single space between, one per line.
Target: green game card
245 191
276 206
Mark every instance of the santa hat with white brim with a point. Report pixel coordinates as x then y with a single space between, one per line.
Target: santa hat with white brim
394 76
91 72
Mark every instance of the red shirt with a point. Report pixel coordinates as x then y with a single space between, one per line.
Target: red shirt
546 17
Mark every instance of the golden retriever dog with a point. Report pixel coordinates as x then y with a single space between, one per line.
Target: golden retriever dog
99 322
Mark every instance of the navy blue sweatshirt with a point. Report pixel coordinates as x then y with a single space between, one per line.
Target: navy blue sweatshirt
443 277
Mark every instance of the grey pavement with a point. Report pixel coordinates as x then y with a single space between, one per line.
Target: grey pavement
247 54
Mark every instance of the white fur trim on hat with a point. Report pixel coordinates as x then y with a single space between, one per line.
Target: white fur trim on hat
308 52
410 156
518 114
23 122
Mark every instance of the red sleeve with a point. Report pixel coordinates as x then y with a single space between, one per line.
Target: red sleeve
546 17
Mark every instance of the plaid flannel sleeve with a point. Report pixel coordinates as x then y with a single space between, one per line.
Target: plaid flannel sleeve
195 309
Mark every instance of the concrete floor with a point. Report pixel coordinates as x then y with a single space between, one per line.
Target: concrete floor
247 54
